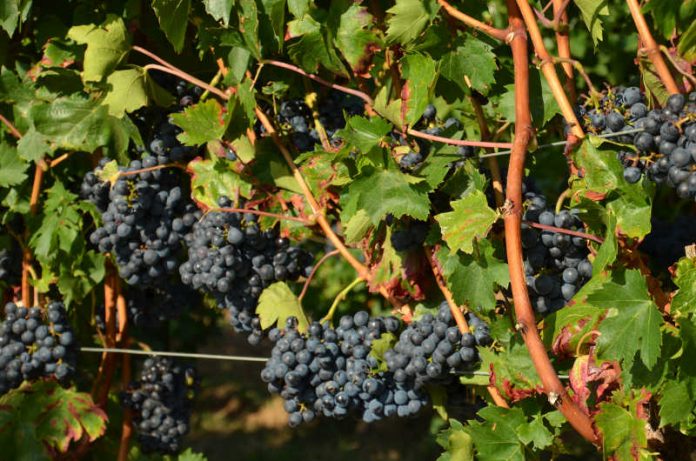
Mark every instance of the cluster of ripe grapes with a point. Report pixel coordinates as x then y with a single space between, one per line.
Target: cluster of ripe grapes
10 265
430 124
230 257
295 118
144 223
666 148
161 403
409 235
35 344
333 372
555 264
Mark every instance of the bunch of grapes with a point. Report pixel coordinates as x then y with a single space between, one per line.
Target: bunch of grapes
232 258
145 221
432 348
295 118
10 265
35 344
555 264
409 235
161 403
665 149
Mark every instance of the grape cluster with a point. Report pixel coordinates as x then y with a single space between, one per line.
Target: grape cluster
33 346
94 189
333 372
161 402
144 224
10 265
295 117
409 235
555 264
232 258
665 149
432 348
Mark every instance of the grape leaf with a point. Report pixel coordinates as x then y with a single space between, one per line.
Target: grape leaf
495 438
541 101
107 46
623 434
12 167
391 110
608 250
471 65
50 415
685 278
214 178
274 21
513 372
33 146
131 89
419 72
219 9
674 403
354 38
173 18
312 48
408 19
469 220
458 444
276 304
249 26
633 321
592 12
190 455
687 43
356 227
202 122
9 15
535 433
473 278
389 192
364 133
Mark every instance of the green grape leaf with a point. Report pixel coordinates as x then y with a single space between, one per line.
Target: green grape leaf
131 89
355 40
276 304
421 76
473 278
364 133
273 23
673 403
470 220
458 444
249 26
535 433
357 226
687 43
33 146
685 279
202 122
379 346
513 371
495 438
312 48
269 167
665 15
623 434
391 110
109 172
603 171
219 9
190 455
389 192
633 321
173 19
107 46
471 65
50 415
12 167
408 19
564 329
609 249
211 179
592 12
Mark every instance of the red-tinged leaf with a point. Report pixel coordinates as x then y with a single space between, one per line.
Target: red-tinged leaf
512 372
573 330
588 378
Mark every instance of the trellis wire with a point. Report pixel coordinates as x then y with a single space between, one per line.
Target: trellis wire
563 143
233 358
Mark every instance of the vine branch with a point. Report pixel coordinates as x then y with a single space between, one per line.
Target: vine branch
314 271
651 48
524 313
560 18
498 34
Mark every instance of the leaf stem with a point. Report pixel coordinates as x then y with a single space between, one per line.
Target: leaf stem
526 323
498 34
458 142
651 48
340 297
561 230
676 66
314 270
13 129
261 213
189 78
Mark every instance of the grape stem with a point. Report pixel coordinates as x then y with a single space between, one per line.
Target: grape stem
526 322
561 230
439 279
262 213
651 48
548 69
458 142
498 34
314 271
13 129
184 76
339 298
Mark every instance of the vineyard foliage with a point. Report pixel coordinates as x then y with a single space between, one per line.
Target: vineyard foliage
378 192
